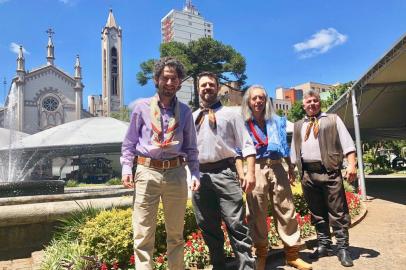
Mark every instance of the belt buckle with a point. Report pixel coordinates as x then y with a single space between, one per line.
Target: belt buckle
166 164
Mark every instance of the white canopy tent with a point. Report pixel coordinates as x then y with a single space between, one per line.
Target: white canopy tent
6 135
378 101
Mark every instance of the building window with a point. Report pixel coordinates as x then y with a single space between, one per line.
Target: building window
50 104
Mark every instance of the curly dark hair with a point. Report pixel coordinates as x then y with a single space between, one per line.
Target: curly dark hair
208 74
171 62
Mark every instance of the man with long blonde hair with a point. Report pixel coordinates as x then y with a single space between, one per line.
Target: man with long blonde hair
268 131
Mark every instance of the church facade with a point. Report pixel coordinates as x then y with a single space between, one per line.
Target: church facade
47 96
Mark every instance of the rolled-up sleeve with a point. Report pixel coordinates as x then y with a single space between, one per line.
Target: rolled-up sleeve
129 143
242 138
189 146
347 143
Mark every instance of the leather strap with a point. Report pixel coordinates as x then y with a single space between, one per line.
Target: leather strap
160 164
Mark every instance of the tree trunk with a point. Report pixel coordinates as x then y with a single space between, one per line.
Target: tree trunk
195 104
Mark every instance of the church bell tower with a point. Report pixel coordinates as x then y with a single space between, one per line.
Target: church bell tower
112 66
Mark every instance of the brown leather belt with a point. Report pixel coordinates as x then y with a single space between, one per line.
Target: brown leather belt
268 161
160 164
314 167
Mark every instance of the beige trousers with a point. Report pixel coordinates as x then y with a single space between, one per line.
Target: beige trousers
272 185
151 186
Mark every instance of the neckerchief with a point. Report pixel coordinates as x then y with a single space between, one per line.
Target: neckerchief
160 138
313 124
254 132
212 117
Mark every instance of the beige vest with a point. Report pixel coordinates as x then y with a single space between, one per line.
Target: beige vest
329 143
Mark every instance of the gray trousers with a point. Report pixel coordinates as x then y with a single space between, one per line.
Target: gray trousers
220 198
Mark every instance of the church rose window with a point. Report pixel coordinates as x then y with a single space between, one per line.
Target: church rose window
50 104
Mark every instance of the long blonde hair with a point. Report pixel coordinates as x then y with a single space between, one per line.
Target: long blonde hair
245 108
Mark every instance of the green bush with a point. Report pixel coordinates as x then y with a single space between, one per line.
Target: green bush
71 183
113 181
63 251
109 235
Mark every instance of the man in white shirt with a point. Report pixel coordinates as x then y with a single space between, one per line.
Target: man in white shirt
220 131
319 143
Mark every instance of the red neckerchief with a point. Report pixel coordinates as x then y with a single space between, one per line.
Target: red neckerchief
256 136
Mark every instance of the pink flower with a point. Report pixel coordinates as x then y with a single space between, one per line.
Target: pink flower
104 267
132 260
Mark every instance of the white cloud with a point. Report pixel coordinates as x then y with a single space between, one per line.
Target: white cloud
320 43
15 48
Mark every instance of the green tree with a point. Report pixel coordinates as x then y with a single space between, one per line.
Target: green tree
296 112
335 93
123 114
204 54
280 112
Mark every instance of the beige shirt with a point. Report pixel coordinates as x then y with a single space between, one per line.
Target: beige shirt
310 149
229 135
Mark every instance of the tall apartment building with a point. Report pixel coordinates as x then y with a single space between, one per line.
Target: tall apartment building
185 26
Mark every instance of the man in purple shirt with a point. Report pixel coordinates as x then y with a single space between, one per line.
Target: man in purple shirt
161 140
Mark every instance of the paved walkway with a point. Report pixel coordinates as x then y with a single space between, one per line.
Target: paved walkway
379 241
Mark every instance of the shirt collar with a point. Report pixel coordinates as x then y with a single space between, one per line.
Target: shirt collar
323 114
172 105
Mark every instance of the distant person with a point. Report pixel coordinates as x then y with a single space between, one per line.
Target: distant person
220 130
268 132
319 143
161 140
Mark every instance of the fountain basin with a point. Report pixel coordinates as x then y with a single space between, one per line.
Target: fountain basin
31 187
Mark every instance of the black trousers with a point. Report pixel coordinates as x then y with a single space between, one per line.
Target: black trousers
220 198
325 196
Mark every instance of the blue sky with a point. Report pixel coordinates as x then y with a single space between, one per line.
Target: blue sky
285 42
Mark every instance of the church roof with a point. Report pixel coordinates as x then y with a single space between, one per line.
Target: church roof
45 67
111 21
77 137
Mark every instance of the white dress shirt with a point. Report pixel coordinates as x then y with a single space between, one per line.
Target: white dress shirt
311 150
215 145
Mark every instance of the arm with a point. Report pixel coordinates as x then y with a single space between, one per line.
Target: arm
249 180
128 150
348 147
190 148
351 170
239 165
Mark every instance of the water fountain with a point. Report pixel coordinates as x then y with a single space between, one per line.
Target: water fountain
15 165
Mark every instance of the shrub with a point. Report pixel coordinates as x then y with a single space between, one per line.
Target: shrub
63 251
71 183
113 181
109 236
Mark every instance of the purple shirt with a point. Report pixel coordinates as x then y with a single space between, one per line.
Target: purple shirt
137 141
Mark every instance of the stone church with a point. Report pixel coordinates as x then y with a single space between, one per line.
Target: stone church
47 96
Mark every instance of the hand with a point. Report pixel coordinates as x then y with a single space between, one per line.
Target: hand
195 185
248 183
291 175
350 173
127 180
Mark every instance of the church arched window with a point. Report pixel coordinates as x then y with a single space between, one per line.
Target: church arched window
114 71
50 103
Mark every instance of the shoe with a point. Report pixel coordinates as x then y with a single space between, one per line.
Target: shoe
292 259
320 252
344 257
